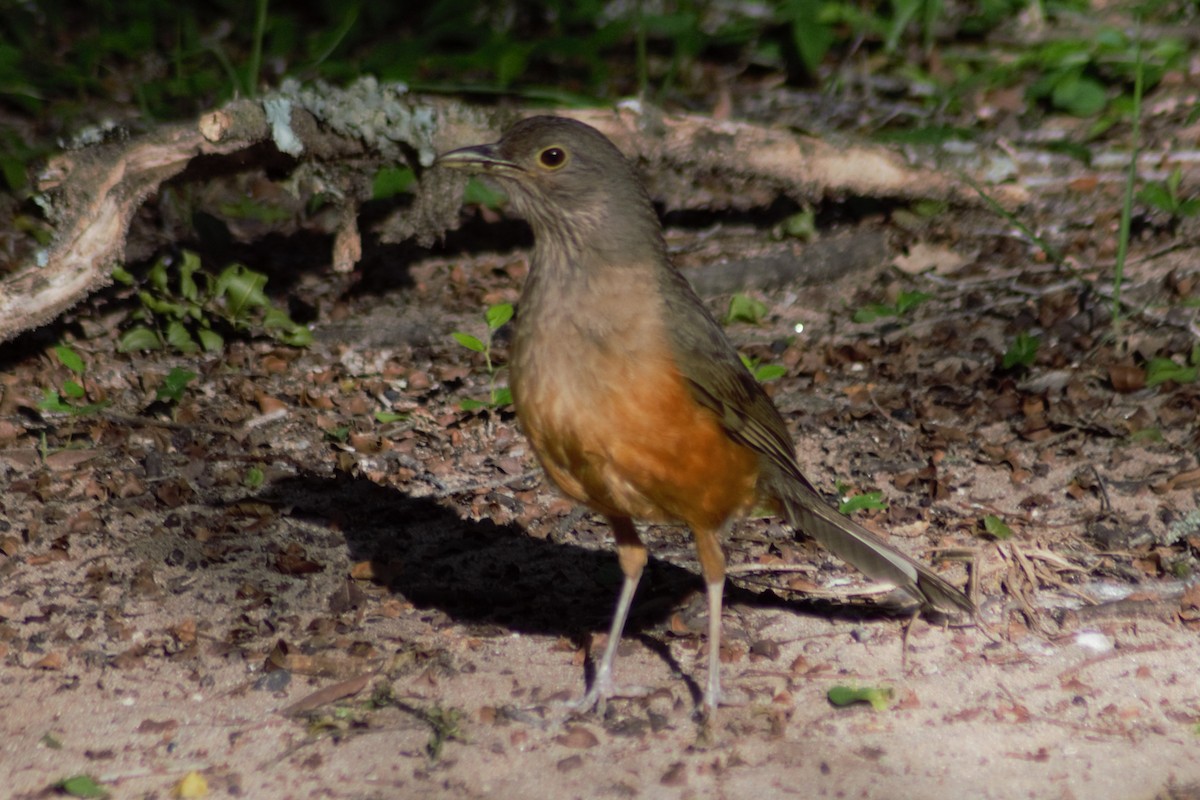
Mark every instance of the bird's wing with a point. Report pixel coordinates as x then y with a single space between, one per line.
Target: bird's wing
720 381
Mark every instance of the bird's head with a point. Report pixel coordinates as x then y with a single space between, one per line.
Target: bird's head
568 180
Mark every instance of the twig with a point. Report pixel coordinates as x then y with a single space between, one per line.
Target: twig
1106 503
899 422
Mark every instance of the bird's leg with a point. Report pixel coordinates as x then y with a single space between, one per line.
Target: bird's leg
712 564
632 555
712 690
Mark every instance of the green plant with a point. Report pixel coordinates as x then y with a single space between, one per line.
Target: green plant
1078 73
446 724
81 786
905 302
996 527
743 308
184 313
495 316
254 477
1165 197
69 398
871 501
1159 370
880 697
338 434
481 193
392 181
1022 352
801 225
762 372
1127 200
173 385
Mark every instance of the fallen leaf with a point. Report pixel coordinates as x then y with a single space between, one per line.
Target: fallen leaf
51 661
1126 377
191 785
578 737
923 256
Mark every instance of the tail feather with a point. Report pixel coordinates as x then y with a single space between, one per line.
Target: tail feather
865 551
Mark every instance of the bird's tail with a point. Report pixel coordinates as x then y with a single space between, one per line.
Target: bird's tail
857 546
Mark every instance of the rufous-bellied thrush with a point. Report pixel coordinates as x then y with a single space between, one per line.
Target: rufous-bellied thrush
633 399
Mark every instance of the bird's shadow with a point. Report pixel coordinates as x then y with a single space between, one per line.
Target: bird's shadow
482 573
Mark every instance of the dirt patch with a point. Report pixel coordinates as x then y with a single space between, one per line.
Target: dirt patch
269 585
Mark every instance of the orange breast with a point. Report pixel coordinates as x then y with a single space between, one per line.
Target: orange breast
615 426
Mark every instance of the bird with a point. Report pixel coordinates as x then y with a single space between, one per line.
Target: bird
634 401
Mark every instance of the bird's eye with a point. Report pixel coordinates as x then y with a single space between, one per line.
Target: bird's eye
553 157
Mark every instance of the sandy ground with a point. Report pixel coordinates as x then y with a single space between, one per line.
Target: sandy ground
268 587
130 658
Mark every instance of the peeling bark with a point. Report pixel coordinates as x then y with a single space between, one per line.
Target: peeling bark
690 162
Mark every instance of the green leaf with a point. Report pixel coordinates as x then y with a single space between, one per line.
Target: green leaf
904 10
478 193
391 181
769 372
174 384
250 208
1156 196
1161 370
122 276
242 289
162 306
138 338
187 282
180 338
339 434
745 309
872 501
275 319
511 63
13 170
1173 181
1079 96
296 336
82 786
502 397
880 697
471 405
388 417
468 341
51 401
157 275
210 340
872 312
254 478
69 358
996 527
801 225
1146 435
907 301
498 314
762 372
810 35
73 390
1022 352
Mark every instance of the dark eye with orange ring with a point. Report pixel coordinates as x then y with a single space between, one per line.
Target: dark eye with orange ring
553 157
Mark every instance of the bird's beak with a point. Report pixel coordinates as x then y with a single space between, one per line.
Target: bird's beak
480 158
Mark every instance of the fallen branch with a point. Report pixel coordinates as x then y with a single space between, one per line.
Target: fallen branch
342 136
